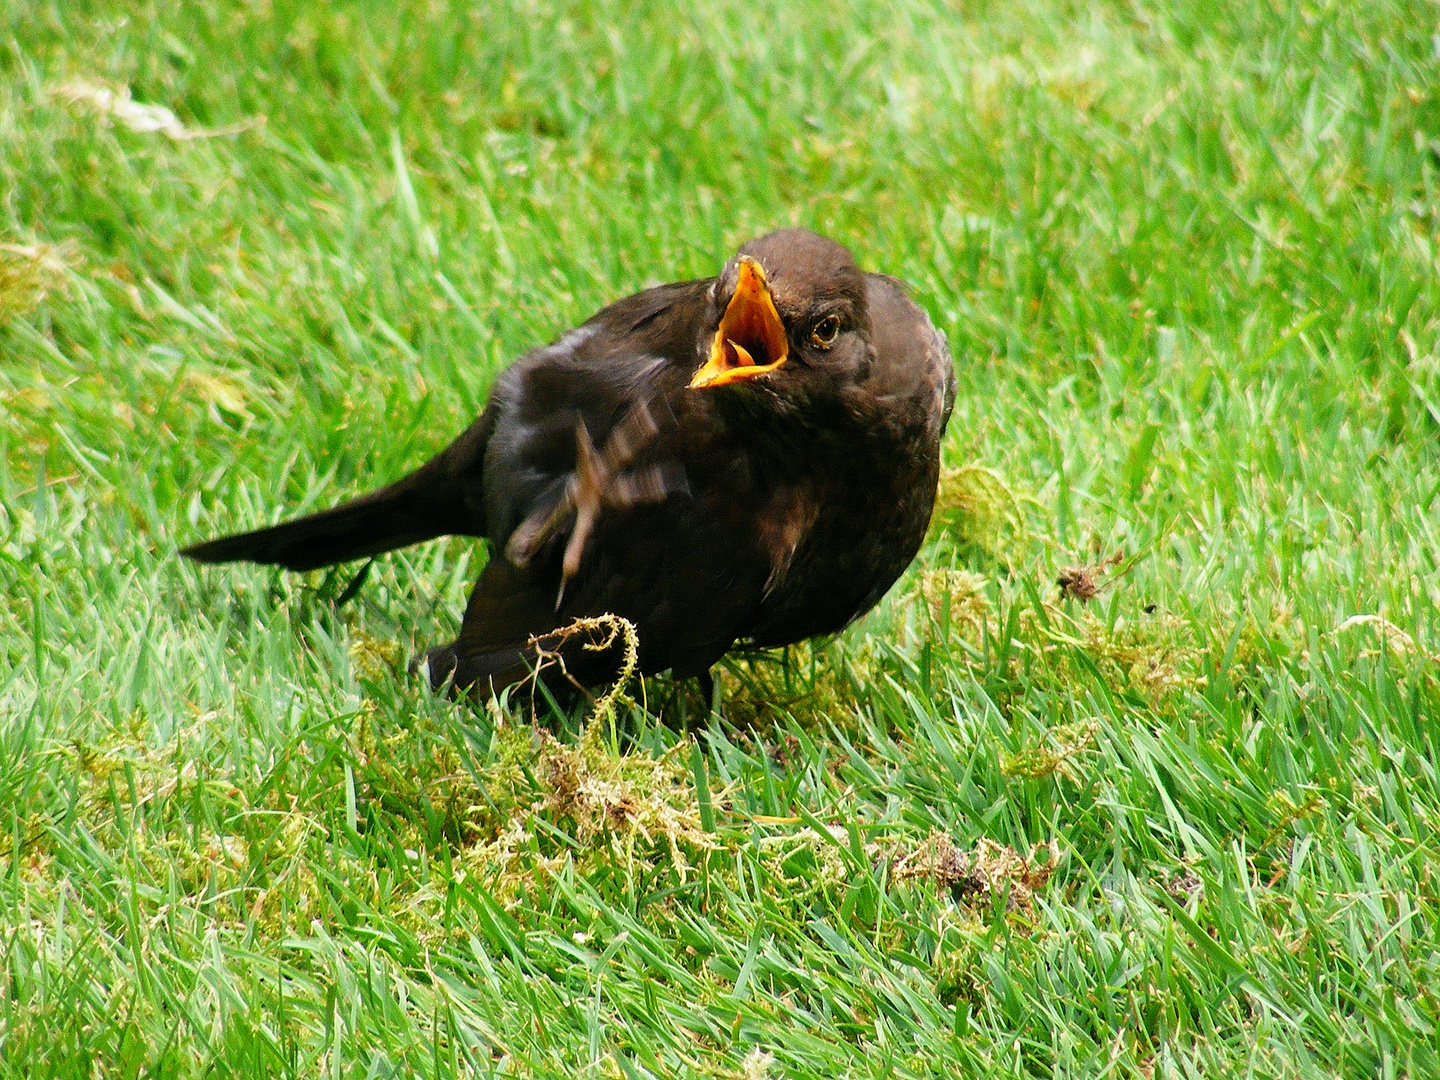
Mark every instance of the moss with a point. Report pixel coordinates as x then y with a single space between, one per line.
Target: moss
31 272
981 515
810 684
1055 753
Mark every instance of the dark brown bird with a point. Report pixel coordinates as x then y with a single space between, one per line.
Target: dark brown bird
747 458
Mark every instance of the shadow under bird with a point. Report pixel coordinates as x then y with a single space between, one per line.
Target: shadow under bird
747 458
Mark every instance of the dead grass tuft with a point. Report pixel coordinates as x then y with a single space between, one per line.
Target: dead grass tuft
115 104
632 810
1077 583
1085 583
610 795
1397 641
373 658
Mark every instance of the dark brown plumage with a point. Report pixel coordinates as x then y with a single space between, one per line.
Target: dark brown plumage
747 458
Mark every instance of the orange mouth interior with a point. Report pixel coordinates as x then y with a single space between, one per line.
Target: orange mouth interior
751 339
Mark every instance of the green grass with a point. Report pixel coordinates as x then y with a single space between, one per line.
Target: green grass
1186 258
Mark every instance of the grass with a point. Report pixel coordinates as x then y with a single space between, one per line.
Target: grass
1186 259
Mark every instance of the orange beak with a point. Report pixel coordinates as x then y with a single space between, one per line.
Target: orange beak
751 340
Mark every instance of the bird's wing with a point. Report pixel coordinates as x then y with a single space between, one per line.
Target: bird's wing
605 385
626 362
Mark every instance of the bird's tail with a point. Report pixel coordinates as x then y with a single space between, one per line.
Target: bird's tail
441 498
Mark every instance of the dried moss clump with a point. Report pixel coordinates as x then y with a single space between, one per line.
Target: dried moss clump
955 601
1156 657
978 510
978 876
1056 753
620 798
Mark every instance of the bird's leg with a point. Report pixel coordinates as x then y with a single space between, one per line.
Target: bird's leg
695 723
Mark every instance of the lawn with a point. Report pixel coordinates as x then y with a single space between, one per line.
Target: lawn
1174 818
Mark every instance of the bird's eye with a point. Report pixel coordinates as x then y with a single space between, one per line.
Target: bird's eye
824 333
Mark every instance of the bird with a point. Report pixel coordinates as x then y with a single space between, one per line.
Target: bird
745 460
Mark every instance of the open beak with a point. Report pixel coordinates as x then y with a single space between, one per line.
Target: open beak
751 340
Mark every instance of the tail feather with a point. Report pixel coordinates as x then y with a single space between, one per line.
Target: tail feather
441 498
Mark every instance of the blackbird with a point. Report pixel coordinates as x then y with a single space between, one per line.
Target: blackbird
746 458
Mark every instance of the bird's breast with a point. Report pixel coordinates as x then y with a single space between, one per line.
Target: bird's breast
781 524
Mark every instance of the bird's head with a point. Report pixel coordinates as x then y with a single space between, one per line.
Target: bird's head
790 314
